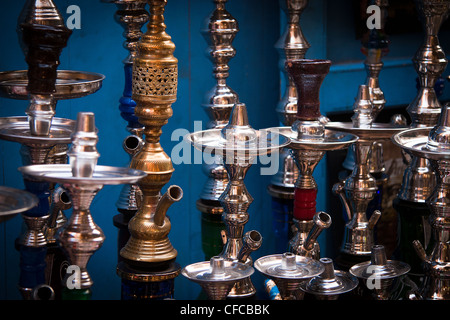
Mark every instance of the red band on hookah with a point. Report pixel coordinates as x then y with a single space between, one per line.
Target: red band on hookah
304 204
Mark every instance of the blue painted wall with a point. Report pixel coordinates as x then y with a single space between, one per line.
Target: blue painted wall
254 75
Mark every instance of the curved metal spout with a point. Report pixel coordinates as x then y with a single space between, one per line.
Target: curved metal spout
173 194
338 189
60 202
132 144
252 242
322 220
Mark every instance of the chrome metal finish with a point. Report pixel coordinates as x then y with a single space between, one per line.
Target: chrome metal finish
357 190
14 201
430 62
304 242
60 201
433 144
288 271
82 179
379 274
219 31
238 144
330 283
217 276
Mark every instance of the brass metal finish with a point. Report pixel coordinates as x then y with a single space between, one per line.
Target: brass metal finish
155 80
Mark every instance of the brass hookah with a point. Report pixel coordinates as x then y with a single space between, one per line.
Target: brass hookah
219 30
291 45
239 145
419 178
131 15
148 267
44 138
432 143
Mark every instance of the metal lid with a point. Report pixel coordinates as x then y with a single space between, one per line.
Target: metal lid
288 266
330 281
217 270
379 266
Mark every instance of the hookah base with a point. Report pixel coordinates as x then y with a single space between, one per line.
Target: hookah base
151 283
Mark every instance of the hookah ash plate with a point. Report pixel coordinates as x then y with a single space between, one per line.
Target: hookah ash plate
14 201
238 138
69 84
288 266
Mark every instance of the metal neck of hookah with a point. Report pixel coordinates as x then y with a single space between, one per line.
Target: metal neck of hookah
42 35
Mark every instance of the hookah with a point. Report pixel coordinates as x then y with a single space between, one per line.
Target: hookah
148 266
288 271
419 179
217 276
238 144
309 143
81 237
360 187
330 284
379 275
219 31
43 137
432 143
291 45
131 15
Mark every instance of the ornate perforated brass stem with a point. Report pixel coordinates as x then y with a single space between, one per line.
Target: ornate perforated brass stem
155 75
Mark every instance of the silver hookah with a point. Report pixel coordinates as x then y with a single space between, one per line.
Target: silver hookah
291 45
433 143
219 31
44 138
331 283
217 276
359 188
429 61
373 65
81 237
379 275
238 144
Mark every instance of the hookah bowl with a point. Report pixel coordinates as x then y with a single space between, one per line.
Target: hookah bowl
288 271
217 276
330 284
419 179
379 274
219 31
238 144
359 189
433 144
131 15
309 142
80 238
